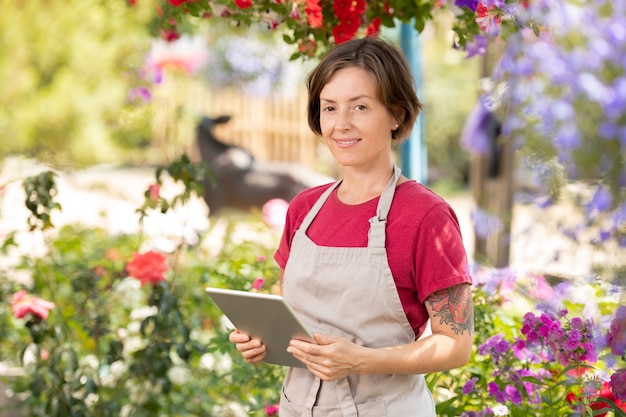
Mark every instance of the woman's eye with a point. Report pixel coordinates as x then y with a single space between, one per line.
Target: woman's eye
328 108
360 107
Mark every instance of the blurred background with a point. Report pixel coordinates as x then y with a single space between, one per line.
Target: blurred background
83 83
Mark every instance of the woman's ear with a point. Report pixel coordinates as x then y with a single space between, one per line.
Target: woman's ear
400 117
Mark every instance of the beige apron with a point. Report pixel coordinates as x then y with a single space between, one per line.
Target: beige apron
350 292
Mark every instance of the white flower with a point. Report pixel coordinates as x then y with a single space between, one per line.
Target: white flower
91 399
500 410
127 292
207 361
178 375
225 364
143 312
91 361
118 368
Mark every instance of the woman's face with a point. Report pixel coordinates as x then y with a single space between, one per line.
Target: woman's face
355 125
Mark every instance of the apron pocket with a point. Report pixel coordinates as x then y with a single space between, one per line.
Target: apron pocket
369 409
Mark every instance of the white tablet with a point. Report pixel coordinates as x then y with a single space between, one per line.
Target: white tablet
267 317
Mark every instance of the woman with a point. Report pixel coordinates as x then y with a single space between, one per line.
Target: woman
367 261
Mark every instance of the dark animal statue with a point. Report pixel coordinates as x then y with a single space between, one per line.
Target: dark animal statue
242 182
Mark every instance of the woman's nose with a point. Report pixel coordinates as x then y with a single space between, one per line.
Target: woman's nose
343 121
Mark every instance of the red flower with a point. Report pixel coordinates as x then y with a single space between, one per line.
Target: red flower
348 8
23 304
149 267
177 3
345 30
170 35
373 30
243 4
485 19
314 13
598 404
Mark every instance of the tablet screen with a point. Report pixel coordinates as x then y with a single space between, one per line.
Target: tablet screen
267 317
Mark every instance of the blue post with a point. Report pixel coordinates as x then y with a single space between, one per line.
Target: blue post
414 161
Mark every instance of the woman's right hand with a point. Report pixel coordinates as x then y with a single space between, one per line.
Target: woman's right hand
252 350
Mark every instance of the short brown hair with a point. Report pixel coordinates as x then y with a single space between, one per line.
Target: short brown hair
389 69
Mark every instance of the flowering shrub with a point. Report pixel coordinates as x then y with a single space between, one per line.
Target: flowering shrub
125 329
543 362
564 106
128 330
312 26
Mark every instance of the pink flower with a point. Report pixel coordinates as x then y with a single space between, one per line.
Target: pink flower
176 53
257 284
149 267
153 191
275 212
295 12
271 410
540 289
23 304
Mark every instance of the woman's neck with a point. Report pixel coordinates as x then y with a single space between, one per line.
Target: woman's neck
359 186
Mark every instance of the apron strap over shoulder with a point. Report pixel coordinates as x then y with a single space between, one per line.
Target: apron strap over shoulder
378 223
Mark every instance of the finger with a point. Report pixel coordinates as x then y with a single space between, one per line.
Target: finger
238 337
249 345
254 355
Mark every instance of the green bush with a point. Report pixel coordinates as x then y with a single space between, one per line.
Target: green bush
110 326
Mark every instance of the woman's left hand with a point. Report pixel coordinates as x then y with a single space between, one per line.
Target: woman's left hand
330 359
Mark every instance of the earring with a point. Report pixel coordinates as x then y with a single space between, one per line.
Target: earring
396 126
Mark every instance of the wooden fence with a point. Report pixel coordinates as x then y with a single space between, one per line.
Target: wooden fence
272 128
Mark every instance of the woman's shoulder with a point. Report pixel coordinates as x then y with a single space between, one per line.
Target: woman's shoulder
413 192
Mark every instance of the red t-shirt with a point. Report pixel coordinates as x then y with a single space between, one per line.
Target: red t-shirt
423 240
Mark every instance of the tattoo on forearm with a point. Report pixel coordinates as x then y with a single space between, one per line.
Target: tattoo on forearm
454 307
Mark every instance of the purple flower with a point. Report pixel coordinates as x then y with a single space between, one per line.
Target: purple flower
601 200
139 94
616 336
618 384
478 46
513 394
469 386
478 135
573 340
470 4
485 224
577 323
495 392
493 3
496 346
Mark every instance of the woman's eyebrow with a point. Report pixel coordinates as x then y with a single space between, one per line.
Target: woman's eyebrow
355 98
